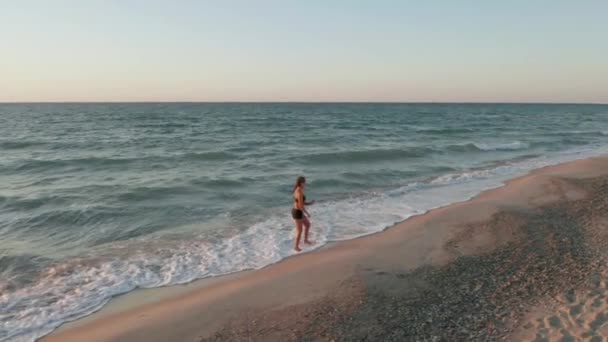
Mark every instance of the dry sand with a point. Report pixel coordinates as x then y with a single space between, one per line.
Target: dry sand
521 262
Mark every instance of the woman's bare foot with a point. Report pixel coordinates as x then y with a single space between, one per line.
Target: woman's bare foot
308 242
298 249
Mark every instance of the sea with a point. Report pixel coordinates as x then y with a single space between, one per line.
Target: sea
100 199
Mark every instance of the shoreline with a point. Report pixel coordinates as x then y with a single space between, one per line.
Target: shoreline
429 238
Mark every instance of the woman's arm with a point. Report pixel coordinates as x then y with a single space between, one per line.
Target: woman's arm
304 206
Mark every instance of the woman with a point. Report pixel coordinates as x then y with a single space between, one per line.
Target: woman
299 213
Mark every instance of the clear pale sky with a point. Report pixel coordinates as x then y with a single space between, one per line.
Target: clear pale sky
451 50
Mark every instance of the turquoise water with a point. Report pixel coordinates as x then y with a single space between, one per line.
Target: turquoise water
100 199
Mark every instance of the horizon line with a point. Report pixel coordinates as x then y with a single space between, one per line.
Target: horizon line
306 102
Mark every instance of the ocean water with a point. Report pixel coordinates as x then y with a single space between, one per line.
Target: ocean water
100 199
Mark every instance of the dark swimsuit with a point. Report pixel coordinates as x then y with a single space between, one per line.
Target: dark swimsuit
298 214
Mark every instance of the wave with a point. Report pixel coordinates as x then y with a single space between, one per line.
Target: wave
221 183
17 145
100 162
54 164
211 155
483 147
574 141
164 125
81 216
577 132
20 203
443 130
515 145
453 178
408 153
20 270
365 175
366 155
346 182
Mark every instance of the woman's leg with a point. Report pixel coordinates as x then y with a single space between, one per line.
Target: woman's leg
306 224
298 235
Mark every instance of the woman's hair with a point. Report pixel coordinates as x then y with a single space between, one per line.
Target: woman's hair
301 180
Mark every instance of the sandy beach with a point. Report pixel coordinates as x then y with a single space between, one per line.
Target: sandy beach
526 261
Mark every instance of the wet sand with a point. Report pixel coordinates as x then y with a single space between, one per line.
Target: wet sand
526 261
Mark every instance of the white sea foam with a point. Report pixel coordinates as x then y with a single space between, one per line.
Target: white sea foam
515 145
77 287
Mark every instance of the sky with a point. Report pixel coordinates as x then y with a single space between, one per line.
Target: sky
310 51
